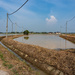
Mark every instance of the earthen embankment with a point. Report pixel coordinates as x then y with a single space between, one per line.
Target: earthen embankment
69 38
1 37
51 61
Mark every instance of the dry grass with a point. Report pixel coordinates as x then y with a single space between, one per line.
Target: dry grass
69 37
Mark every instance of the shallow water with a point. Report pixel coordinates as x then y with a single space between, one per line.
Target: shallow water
8 34
46 41
2 34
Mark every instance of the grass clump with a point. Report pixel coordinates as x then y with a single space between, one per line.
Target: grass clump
1 56
7 65
5 62
15 72
10 66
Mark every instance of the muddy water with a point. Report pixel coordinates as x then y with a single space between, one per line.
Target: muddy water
46 41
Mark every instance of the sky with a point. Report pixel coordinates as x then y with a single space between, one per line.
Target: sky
38 15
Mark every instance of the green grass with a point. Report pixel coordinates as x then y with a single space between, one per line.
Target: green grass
10 66
15 72
7 65
1 56
5 62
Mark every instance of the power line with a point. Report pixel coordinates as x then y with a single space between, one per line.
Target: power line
71 19
18 8
19 26
10 20
68 21
14 23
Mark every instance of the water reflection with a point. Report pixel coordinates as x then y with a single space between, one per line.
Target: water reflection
26 38
46 41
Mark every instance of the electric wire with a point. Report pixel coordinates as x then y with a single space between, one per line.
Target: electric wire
19 26
10 20
15 23
71 19
18 8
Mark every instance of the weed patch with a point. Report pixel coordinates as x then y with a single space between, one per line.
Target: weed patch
15 72
1 56
10 66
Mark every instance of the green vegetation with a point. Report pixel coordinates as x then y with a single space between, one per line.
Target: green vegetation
15 72
10 66
1 56
26 38
26 32
39 32
5 63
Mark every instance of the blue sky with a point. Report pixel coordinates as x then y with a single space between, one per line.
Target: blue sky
38 15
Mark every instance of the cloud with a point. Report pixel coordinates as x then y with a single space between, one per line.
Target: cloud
52 20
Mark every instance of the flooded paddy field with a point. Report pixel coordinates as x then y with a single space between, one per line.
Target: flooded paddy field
8 34
46 41
48 57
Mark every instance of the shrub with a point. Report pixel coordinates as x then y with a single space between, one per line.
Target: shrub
26 32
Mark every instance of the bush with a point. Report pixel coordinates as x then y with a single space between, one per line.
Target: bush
26 32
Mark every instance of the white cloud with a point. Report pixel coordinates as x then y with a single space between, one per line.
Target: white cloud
52 20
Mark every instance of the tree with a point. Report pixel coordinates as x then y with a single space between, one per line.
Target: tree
26 32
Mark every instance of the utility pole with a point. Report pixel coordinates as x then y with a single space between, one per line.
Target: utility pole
7 27
66 27
15 28
22 29
60 29
66 34
67 22
12 29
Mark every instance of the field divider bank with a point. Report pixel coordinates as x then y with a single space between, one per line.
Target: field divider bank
1 37
50 61
31 57
69 38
